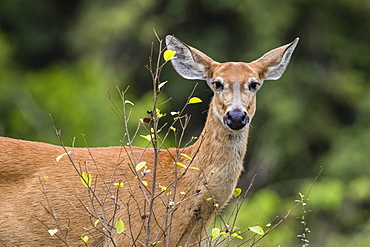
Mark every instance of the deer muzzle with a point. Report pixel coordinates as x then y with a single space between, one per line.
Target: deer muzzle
236 119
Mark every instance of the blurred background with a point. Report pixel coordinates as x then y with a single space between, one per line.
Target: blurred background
63 57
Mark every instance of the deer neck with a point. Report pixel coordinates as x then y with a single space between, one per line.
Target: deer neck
219 153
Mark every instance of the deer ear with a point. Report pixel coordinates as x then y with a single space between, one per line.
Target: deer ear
273 64
188 61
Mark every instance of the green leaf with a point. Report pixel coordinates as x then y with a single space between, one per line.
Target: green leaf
140 165
257 229
168 54
120 226
194 100
85 238
237 192
86 179
215 233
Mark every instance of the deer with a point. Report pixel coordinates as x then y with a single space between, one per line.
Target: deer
46 201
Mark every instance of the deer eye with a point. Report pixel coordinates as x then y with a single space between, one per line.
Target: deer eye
253 86
218 85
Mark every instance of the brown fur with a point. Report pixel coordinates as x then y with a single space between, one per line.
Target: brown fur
218 154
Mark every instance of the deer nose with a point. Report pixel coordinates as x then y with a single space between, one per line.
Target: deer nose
236 119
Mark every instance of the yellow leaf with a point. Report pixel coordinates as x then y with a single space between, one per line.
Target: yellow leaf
195 100
120 185
215 233
86 179
179 164
161 85
159 114
147 137
183 166
52 232
163 188
140 165
120 226
129 102
144 182
61 156
194 168
235 235
237 192
96 223
46 177
85 238
186 156
168 54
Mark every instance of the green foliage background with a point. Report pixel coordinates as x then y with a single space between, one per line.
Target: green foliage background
61 57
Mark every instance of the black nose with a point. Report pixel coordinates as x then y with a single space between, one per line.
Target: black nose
236 119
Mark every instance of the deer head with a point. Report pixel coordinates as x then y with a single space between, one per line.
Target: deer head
234 84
